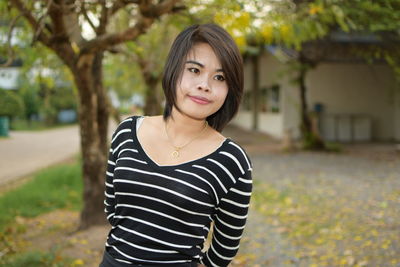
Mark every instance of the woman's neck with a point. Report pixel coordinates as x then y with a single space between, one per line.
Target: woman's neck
181 127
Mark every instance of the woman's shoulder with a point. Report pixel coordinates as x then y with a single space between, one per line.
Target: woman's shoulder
236 153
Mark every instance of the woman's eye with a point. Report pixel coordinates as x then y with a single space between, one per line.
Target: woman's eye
194 70
220 78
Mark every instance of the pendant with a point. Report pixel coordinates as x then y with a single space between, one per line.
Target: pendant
175 154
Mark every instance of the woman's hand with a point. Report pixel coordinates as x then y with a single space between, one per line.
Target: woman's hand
201 265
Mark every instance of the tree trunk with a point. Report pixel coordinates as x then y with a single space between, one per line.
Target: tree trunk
255 90
305 120
311 139
93 120
152 105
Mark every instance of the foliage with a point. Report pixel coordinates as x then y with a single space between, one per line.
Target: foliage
313 20
10 104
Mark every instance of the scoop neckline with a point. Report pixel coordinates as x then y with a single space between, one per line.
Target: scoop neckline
154 164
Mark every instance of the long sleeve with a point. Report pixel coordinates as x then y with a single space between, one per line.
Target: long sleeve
109 201
229 222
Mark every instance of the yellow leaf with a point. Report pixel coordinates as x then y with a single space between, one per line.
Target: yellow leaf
288 201
75 47
77 262
267 32
374 232
240 41
314 9
367 243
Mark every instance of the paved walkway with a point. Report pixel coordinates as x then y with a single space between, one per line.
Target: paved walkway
25 152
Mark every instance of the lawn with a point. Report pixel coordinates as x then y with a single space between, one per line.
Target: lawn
57 187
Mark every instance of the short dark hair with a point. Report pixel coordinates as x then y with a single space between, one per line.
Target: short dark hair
227 53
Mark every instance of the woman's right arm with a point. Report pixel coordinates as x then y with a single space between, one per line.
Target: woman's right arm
109 201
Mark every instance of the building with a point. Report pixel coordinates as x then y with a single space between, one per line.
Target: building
355 101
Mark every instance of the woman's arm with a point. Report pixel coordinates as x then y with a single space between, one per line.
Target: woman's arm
229 223
109 201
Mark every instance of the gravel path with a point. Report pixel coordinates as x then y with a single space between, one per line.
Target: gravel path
353 181
364 180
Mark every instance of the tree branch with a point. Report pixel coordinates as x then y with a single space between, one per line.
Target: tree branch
154 11
41 36
121 4
41 22
84 12
103 18
104 42
56 13
10 51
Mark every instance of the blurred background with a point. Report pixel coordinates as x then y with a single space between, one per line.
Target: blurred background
320 119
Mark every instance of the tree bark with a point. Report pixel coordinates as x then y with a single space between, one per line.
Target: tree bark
93 138
152 103
255 90
311 139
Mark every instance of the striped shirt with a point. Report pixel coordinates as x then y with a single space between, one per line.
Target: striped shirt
161 214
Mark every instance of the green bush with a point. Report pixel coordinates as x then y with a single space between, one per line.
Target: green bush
10 104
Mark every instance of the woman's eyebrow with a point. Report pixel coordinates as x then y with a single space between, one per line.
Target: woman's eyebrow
195 62
201 65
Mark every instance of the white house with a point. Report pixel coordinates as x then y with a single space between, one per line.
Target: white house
9 75
358 101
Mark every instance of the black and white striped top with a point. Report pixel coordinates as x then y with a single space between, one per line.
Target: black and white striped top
161 214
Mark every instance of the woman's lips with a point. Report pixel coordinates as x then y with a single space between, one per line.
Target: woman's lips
200 100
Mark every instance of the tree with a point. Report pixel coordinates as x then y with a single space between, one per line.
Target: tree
62 25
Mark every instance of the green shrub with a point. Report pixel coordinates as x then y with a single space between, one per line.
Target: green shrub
10 104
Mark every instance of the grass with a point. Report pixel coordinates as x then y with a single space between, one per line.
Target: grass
56 187
36 259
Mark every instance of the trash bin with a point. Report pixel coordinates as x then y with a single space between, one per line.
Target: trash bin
4 126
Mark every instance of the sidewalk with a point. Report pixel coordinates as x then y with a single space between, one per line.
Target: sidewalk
26 152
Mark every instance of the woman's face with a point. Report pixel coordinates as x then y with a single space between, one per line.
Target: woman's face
203 88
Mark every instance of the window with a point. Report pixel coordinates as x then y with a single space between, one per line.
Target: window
269 98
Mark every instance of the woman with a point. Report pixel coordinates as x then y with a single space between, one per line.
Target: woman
169 177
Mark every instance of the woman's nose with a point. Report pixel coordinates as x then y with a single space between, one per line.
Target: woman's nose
204 84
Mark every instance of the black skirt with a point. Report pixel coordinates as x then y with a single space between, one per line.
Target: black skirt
109 261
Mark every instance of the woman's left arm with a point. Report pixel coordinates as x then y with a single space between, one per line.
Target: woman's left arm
229 223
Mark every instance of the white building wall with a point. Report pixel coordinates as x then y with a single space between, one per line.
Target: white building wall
9 78
269 122
345 89
356 89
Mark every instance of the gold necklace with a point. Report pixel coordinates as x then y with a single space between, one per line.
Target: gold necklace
175 153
